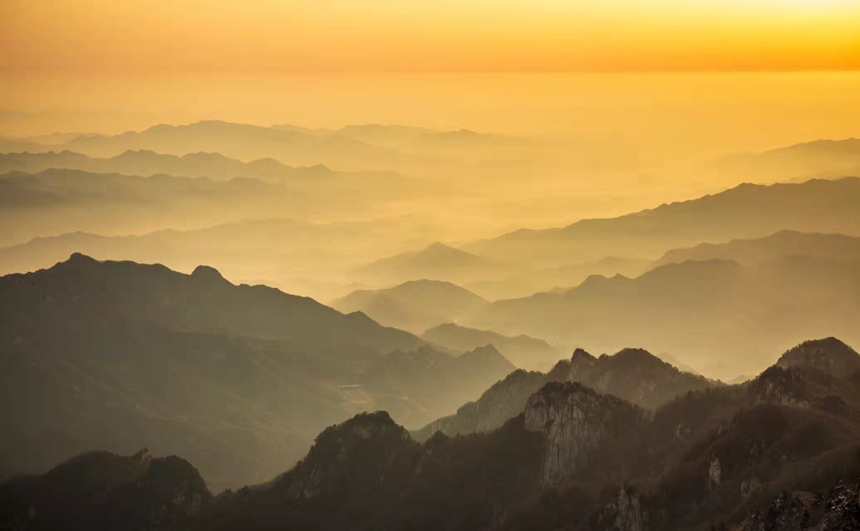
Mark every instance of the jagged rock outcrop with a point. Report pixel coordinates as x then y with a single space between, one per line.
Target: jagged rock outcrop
356 456
634 375
576 421
836 510
624 513
778 385
829 356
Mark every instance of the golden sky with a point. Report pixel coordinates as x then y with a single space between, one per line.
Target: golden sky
277 37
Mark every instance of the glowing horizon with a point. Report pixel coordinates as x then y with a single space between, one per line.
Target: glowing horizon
268 37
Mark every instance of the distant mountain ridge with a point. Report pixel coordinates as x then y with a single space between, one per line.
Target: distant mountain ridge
524 351
746 211
415 305
146 163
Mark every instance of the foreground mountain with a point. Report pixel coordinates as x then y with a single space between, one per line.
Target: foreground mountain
100 490
717 315
731 457
746 211
415 305
525 352
118 355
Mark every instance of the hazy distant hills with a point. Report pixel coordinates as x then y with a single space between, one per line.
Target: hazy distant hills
52 201
715 314
436 262
352 147
820 158
746 211
115 355
525 352
147 163
415 305
836 247
779 452
306 258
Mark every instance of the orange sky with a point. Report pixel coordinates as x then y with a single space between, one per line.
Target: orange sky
261 37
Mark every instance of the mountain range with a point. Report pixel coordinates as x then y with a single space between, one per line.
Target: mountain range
779 452
118 355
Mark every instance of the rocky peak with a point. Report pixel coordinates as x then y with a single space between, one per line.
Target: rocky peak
353 456
576 420
778 385
829 355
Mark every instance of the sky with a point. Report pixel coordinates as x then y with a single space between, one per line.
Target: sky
277 37
709 75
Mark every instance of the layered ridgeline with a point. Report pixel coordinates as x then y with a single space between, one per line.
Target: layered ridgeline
820 158
746 211
523 351
149 163
780 452
352 147
415 305
118 355
47 203
718 315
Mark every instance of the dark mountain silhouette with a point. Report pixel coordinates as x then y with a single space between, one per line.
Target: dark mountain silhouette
415 386
523 351
415 305
836 247
830 356
436 262
100 490
720 458
746 211
716 315
116 355
148 163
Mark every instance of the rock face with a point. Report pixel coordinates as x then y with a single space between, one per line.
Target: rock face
576 421
356 456
829 355
836 510
625 513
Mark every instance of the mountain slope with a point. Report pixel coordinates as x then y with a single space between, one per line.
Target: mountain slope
572 459
415 305
746 211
